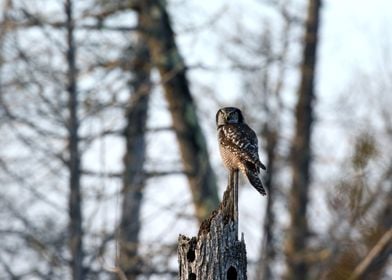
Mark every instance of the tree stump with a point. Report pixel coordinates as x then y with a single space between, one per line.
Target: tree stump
216 253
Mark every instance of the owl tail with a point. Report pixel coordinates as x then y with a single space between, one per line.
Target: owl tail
260 165
252 175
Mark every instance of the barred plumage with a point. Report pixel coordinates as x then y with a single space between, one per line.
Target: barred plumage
238 146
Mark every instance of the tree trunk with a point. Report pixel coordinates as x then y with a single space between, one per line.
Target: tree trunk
193 148
301 151
268 247
216 253
75 199
134 176
272 105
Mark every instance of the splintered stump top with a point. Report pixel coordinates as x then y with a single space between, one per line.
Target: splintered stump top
216 253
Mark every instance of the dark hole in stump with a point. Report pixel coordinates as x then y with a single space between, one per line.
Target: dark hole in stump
231 273
190 255
192 276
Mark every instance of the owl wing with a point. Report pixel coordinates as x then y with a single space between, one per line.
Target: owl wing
241 140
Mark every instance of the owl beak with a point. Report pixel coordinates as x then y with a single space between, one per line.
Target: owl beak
228 115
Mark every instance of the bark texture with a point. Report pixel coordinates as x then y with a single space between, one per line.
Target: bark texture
301 151
75 199
193 148
134 175
216 253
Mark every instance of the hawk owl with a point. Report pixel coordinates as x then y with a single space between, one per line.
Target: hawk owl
238 146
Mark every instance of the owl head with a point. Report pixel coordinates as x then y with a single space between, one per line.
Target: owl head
228 115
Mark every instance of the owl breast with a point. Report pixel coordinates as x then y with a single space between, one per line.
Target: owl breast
231 155
230 160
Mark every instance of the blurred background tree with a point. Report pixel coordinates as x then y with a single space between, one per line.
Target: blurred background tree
109 149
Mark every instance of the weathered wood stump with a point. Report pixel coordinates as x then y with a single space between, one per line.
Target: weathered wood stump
216 253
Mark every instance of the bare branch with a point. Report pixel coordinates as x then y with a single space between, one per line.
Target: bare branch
384 243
